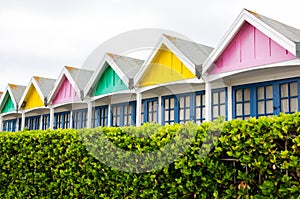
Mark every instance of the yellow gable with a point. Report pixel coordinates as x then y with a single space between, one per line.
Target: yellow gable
33 98
165 67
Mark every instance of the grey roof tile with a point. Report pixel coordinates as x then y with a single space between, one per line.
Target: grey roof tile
129 66
290 32
80 76
197 53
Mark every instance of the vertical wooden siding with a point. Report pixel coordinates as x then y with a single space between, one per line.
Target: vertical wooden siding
165 67
249 48
33 98
109 82
9 105
66 93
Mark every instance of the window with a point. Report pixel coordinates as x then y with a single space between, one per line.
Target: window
100 116
32 123
150 110
62 120
80 119
169 109
264 100
200 107
219 103
123 114
242 99
289 97
9 125
45 121
267 98
183 108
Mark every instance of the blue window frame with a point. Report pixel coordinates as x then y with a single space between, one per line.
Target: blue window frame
200 107
169 109
62 120
182 108
45 121
219 103
150 110
289 102
100 116
123 114
242 103
266 98
32 123
80 118
11 125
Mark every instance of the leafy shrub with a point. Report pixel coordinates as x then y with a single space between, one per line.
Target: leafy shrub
256 158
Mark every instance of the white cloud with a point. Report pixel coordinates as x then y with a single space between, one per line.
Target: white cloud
39 37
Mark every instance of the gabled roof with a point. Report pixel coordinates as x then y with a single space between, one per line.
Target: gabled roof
190 53
125 67
15 92
76 76
42 85
286 36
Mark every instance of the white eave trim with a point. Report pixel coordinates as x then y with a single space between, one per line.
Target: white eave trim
294 62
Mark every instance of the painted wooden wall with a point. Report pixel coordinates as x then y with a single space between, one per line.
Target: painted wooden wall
9 105
66 93
33 98
249 48
109 82
165 67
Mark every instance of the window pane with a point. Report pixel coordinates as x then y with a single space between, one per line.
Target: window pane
215 111
269 104
284 90
260 93
239 95
198 113
269 92
239 109
222 110
261 107
198 100
187 101
166 115
172 115
222 97
284 105
172 103
181 114
246 94
294 104
247 108
166 103
203 99
181 101
187 114
294 89
215 98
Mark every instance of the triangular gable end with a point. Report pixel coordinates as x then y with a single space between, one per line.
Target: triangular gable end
8 105
249 48
33 99
109 82
165 67
66 93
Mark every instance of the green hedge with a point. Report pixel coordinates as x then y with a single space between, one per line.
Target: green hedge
257 158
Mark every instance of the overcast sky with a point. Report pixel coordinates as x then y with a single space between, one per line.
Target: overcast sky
40 37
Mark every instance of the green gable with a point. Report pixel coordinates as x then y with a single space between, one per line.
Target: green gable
109 82
9 105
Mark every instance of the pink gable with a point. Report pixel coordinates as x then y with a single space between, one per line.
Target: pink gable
66 93
249 48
